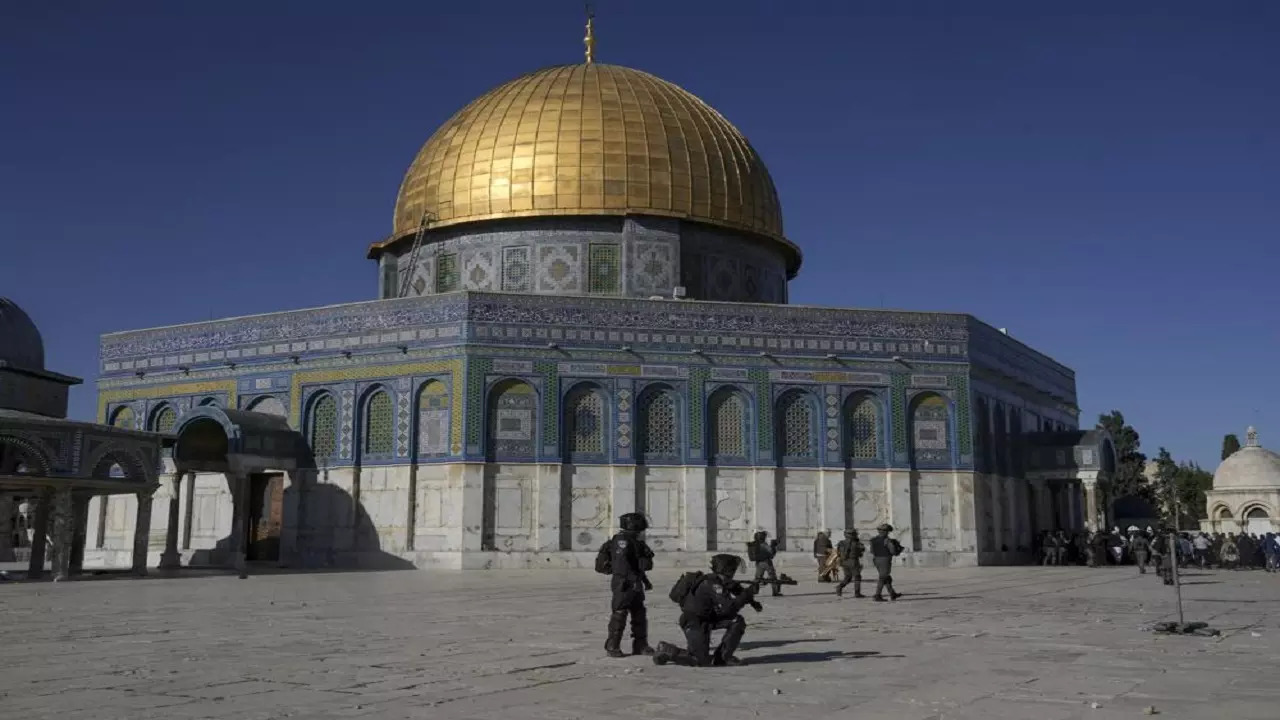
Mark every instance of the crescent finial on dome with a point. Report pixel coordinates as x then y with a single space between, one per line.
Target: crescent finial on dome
590 39
1251 437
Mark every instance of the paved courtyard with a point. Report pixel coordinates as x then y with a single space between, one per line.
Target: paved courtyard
1019 643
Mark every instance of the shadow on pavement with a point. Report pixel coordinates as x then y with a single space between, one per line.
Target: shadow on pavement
760 644
823 656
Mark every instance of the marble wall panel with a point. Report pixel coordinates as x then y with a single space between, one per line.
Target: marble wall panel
800 509
589 512
660 494
508 508
731 509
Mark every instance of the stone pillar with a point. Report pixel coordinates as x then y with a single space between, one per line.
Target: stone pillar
39 534
695 530
142 532
171 559
64 533
240 523
1091 505
1069 505
468 536
6 526
549 509
80 527
765 483
899 500
831 482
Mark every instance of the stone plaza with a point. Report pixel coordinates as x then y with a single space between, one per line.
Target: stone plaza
1018 643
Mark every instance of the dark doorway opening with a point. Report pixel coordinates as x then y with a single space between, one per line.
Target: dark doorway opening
266 512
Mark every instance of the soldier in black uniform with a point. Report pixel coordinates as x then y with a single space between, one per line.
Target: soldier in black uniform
715 603
632 560
850 552
762 553
883 550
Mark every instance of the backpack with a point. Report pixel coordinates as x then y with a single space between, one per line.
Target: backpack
604 558
685 586
753 551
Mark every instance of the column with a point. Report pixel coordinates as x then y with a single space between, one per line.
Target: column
80 509
64 533
171 559
6 526
142 532
241 524
549 510
39 534
1091 505
1069 491
697 536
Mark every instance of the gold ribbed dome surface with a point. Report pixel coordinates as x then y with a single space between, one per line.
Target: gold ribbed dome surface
589 139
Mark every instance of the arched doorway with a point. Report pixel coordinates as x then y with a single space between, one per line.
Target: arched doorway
1257 522
253 450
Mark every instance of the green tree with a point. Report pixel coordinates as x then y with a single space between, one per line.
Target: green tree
1230 444
1128 479
1180 489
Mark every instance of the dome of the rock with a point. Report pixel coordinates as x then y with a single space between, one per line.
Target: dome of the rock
591 140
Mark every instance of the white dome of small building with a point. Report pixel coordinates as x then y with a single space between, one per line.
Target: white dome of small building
1246 490
20 343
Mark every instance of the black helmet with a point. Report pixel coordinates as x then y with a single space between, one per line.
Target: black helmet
725 564
761 535
633 522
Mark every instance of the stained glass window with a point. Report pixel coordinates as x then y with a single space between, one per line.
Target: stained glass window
930 431
657 426
433 419
728 414
795 414
164 420
585 412
515 269
512 405
864 428
603 269
379 422
447 273
124 418
322 428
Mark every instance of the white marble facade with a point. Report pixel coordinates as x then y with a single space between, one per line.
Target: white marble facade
484 515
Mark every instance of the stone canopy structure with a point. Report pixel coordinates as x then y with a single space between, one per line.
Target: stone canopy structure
1246 491
50 467
584 313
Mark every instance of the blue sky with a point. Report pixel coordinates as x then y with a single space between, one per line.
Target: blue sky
1101 178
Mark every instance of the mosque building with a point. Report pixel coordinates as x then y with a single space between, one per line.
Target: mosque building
583 311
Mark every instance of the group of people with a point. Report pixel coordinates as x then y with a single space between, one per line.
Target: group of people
1138 547
845 559
715 601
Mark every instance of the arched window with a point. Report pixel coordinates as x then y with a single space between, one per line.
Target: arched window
511 430
930 431
656 427
862 427
163 419
322 426
795 427
584 421
433 419
124 417
728 415
268 405
379 424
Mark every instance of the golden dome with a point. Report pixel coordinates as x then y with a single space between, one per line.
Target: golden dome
590 139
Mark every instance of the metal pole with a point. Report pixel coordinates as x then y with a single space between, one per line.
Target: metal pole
1177 584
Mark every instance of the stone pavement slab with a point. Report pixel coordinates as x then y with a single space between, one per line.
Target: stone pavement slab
990 643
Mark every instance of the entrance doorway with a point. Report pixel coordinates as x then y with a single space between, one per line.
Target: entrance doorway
1257 522
266 512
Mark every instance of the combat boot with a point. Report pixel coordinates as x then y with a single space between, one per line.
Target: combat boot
641 647
857 589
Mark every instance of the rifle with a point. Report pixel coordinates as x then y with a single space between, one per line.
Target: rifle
783 579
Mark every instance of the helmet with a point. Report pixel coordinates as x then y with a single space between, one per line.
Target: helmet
761 535
633 522
885 528
725 564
